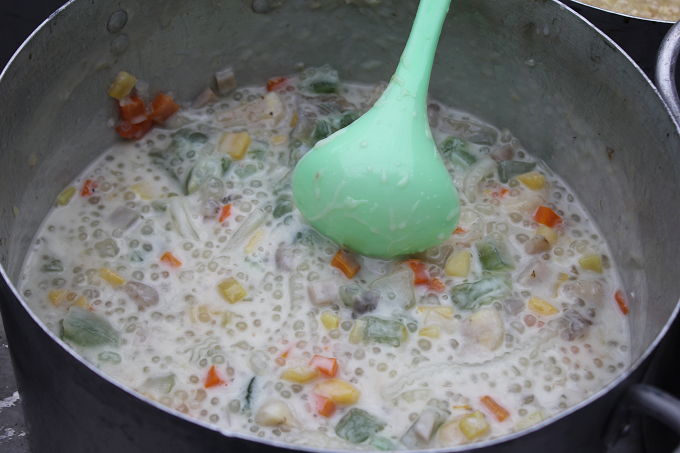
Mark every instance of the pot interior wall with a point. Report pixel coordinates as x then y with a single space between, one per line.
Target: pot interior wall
534 67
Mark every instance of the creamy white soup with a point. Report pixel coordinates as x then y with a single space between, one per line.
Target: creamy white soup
178 264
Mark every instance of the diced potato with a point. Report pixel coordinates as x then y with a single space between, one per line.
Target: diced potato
458 264
450 434
235 144
122 86
275 413
57 296
250 248
114 279
548 233
530 420
339 391
441 316
541 307
231 290
432 331
484 328
356 336
329 320
533 180
300 374
591 263
537 244
275 109
65 196
323 293
473 425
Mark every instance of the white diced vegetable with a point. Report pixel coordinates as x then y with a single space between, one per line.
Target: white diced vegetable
484 328
259 362
275 413
323 293
180 218
123 218
207 97
247 228
397 288
226 81
141 294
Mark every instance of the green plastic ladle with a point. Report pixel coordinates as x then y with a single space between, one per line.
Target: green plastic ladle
379 186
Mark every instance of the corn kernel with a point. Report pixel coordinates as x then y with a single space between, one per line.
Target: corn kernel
65 196
111 277
591 263
356 336
231 290
81 302
143 190
339 391
541 307
530 420
533 180
458 265
57 296
122 86
329 320
548 233
473 425
432 331
300 374
250 248
235 144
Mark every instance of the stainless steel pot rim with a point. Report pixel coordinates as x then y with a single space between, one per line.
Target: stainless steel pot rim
624 16
297 447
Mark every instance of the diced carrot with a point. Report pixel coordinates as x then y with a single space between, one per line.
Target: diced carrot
323 405
213 379
139 130
498 411
546 216
326 365
132 109
459 230
89 188
436 285
621 300
170 259
162 108
276 83
226 211
285 354
422 274
345 263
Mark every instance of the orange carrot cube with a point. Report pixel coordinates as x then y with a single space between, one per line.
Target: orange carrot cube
498 411
345 263
546 216
170 259
326 365
213 379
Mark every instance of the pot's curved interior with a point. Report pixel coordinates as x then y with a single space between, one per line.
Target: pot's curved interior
534 67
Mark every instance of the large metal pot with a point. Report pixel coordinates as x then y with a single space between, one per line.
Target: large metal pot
537 68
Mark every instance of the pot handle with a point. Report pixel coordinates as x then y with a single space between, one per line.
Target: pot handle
646 400
666 60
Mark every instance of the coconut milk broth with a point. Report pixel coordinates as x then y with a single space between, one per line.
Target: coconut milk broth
165 350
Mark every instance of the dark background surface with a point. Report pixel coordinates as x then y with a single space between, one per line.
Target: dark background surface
19 19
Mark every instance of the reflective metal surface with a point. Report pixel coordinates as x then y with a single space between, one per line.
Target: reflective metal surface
572 96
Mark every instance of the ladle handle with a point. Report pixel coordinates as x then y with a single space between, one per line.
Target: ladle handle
666 61
646 400
415 65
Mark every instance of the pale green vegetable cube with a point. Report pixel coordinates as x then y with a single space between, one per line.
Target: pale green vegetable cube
81 326
358 425
470 296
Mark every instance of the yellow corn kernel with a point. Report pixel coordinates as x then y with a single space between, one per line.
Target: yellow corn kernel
356 336
235 144
122 86
300 374
231 290
143 190
458 265
473 425
561 278
530 420
432 331
81 302
57 296
591 263
279 139
65 196
250 248
329 320
338 391
548 233
111 277
533 180
294 119
541 307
